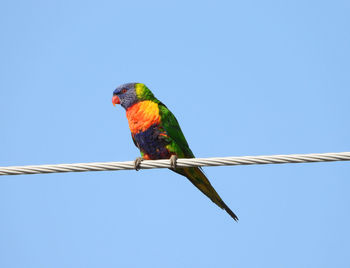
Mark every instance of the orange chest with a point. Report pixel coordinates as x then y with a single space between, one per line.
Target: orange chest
142 115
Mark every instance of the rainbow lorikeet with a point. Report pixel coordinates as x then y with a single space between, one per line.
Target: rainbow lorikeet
156 132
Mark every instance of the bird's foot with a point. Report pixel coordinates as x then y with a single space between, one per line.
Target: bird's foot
137 163
173 160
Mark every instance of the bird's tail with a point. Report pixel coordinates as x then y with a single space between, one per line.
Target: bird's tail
198 178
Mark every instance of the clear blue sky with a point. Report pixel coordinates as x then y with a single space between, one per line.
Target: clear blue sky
242 77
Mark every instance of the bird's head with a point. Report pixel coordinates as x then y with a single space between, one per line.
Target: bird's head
128 94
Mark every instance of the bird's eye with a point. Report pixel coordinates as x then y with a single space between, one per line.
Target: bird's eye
124 90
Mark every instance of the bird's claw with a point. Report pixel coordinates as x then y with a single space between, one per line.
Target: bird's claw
137 163
173 160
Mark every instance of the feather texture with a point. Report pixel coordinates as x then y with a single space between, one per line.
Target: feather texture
157 133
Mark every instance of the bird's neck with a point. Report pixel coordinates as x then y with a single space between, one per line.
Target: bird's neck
142 115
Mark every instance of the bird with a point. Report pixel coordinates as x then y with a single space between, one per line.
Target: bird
157 134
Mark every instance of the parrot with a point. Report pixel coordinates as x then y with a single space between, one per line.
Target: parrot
157 134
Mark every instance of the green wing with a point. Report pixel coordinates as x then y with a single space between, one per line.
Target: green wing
175 137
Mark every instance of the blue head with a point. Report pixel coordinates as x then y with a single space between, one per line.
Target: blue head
125 95
128 94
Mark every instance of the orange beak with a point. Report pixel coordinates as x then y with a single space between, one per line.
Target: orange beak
115 100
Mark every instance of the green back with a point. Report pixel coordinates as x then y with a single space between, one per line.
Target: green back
177 140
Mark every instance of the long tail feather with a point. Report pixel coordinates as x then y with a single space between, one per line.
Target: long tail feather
198 179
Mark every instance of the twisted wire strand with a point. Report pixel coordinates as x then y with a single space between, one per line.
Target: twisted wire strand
181 162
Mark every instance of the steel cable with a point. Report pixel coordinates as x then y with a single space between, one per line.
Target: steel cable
181 162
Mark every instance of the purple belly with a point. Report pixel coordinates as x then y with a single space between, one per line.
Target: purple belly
153 144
